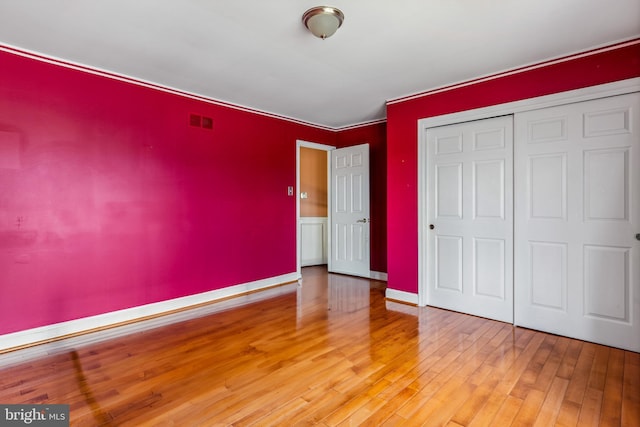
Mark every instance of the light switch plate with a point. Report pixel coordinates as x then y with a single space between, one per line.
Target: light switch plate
290 190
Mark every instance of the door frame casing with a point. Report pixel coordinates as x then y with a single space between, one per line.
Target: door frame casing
296 193
585 94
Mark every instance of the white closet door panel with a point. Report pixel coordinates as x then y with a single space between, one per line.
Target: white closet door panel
577 211
548 275
470 205
489 267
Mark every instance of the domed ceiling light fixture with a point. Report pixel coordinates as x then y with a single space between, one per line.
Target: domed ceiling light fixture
323 21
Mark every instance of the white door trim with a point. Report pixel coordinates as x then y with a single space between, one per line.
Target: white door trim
296 193
578 95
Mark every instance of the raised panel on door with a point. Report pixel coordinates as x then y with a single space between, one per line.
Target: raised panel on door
488 189
577 210
358 238
469 204
489 267
547 274
606 182
547 186
610 265
448 263
448 190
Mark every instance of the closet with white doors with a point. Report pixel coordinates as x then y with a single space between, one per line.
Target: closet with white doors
543 234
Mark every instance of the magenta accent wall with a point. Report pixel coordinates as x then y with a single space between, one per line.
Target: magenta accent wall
402 136
109 199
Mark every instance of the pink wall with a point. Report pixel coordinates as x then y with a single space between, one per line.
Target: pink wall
402 148
376 136
109 199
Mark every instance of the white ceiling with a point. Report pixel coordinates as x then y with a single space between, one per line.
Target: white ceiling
259 55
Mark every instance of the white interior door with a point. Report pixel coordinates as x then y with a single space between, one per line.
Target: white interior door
577 266
470 216
349 207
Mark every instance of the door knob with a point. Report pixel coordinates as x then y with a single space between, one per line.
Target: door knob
363 220
431 226
638 236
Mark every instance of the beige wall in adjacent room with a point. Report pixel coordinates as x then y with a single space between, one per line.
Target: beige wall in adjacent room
313 181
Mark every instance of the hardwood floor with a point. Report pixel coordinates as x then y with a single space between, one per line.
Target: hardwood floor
334 352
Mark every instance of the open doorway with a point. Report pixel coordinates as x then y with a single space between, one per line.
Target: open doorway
312 194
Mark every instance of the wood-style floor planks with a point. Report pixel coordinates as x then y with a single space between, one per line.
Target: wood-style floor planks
334 352
611 411
630 389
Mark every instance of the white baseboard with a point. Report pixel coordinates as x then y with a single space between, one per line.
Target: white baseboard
400 307
87 324
402 296
377 275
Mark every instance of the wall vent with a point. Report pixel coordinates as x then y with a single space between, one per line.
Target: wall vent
195 120
198 121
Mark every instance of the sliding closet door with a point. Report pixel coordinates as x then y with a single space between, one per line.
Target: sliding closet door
470 217
577 213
